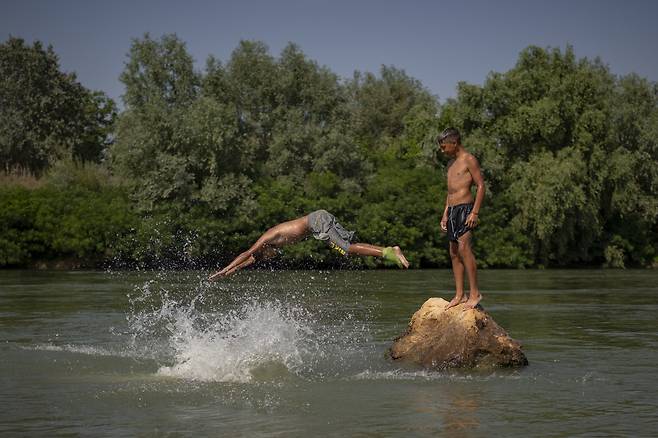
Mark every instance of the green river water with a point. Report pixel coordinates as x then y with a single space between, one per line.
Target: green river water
302 353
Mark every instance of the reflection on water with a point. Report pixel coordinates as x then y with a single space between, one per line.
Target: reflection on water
455 411
460 418
291 353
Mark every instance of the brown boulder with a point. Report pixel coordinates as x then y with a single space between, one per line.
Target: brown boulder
437 338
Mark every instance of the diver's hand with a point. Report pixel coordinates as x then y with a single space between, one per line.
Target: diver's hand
217 275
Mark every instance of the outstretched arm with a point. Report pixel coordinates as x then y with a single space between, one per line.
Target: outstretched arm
243 260
277 236
244 264
478 180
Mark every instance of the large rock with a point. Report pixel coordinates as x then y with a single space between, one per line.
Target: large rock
439 338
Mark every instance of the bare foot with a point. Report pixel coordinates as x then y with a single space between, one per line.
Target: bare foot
472 301
455 301
400 256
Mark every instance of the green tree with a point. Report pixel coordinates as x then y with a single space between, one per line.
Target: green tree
379 105
161 87
45 114
568 151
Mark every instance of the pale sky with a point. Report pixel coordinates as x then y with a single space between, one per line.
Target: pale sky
438 42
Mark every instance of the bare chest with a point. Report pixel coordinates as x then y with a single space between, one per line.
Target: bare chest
458 173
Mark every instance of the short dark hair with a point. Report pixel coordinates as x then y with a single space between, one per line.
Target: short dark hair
451 134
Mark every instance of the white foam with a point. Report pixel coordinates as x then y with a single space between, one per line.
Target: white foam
242 334
430 375
79 349
235 344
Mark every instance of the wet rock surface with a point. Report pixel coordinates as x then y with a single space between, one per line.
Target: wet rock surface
437 338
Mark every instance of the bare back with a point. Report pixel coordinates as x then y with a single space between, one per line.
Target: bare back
285 233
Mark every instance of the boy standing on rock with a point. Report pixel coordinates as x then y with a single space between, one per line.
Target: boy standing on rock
461 214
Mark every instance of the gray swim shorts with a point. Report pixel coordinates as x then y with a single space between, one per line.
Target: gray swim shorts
324 227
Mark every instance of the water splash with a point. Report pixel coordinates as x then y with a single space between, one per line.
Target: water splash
89 350
242 334
239 344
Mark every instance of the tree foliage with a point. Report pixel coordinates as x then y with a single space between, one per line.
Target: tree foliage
569 150
210 159
45 114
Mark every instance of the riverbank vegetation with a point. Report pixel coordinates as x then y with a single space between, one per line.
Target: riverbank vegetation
198 163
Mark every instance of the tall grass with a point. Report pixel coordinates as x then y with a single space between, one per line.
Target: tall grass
62 174
20 177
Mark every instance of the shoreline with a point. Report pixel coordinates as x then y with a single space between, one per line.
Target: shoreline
77 265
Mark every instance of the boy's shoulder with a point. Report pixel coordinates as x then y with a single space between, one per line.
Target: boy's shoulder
469 158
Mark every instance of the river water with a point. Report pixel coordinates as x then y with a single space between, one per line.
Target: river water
300 353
